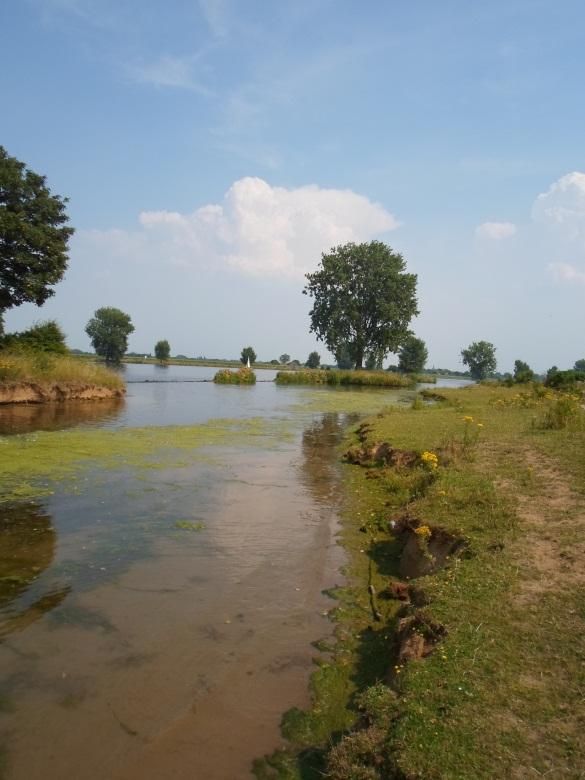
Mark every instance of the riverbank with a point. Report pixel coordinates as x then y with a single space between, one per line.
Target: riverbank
41 377
456 651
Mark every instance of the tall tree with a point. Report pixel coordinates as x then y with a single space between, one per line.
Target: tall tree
248 352
108 330
33 236
314 360
413 355
284 358
363 298
162 350
579 365
522 372
480 357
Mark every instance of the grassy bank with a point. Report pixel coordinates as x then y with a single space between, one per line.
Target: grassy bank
474 669
44 368
311 376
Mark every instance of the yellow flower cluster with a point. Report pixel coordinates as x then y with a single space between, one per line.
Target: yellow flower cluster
468 419
424 532
430 459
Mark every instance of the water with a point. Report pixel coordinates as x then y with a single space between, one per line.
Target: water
157 612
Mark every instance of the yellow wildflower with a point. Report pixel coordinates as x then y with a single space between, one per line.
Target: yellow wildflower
430 459
424 532
468 419
480 425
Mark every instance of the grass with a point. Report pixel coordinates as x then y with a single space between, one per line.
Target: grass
44 368
500 695
243 376
311 376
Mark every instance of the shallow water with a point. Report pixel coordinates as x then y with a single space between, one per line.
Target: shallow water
157 613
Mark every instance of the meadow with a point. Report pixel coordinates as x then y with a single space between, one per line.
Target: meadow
456 651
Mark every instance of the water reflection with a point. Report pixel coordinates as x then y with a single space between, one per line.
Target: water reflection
24 418
27 548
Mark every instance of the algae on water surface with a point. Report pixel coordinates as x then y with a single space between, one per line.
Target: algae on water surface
32 463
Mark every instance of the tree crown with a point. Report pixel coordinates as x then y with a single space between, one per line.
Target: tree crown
363 298
481 359
33 235
162 350
108 330
248 352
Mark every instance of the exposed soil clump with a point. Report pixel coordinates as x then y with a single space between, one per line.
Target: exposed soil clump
381 454
417 635
36 393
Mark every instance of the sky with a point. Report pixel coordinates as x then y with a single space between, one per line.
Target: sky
211 150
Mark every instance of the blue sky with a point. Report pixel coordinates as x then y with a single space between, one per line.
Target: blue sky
211 150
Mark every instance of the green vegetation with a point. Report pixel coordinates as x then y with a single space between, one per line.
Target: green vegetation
243 376
522 372
45 368
162 351
481 359
248 353
413 355
32 465
470 669
317 377
33 236
108 330
363 300
284 358
42 337
314 360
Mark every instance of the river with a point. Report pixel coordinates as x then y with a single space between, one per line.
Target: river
162 573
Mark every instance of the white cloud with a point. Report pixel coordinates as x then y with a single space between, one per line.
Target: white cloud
565 272
258 229
563 205
168 71
495 230
216 15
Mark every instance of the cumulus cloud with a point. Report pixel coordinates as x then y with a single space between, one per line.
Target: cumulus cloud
565 272
495 230
563 205
258 229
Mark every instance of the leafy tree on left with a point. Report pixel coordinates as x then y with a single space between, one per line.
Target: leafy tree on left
108 330
33 236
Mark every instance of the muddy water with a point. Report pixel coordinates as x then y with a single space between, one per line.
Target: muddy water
157 620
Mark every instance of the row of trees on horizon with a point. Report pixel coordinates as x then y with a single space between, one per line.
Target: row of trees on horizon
364 299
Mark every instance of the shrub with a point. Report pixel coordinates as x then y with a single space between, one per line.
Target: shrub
322 377
564 379
243 376
560 412
42 337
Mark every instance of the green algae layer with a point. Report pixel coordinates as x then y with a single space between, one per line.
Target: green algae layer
32 463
